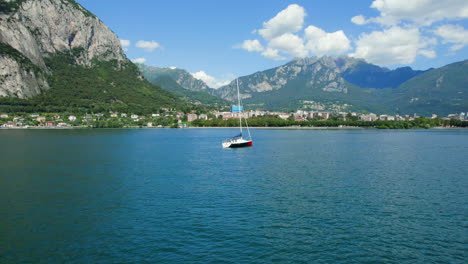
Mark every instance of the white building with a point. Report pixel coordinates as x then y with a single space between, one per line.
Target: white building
72 118
191 117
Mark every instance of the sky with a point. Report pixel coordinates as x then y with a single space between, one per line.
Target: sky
218 41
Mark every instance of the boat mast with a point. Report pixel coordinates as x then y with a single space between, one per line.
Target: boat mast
239 105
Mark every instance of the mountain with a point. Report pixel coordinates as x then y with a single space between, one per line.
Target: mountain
372 76
344 84
443 91
182 77
167 83
56 55
181 83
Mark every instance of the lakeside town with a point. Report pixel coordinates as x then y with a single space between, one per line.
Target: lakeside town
170 118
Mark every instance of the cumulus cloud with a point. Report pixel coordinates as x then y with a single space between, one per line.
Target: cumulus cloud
272 54
148 45
428 53
125 43
285 37
421 12
289 20
392 46
289 44
359 20
139 60
252 45
321 43
209 80
453 34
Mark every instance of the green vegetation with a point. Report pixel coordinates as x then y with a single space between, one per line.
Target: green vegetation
10 7
106 86
272 121
77 6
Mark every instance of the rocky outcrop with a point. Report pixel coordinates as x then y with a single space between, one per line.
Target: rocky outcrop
19 81
40 29
319 73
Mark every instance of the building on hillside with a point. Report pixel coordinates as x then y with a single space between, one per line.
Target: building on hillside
134 116
149 124
33 115
284 116
114 115
9 125
123 115
50 124
322 115
72 118
3 115
62 124
41 119
203 116
369 117
191 117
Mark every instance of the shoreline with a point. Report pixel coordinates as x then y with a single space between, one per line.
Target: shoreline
258 128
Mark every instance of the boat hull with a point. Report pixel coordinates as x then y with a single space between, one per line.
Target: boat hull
238 144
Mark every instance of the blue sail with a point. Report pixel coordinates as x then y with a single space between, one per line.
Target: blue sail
237 108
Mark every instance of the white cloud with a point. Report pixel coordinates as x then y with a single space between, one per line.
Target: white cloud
421 12
289 20
272 54
428 53
359 20
392 46
148 45
453 34
125 43
252 45
139 60
322 43
172 67
209 80
289 44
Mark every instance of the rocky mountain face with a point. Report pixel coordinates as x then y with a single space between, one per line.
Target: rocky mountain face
318 73
182 77
328 74
31 31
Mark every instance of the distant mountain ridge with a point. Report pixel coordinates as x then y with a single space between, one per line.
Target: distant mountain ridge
342 82
181 83
182 77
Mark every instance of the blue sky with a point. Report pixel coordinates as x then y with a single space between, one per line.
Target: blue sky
219 40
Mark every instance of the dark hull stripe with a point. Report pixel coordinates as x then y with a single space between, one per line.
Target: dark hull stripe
241 145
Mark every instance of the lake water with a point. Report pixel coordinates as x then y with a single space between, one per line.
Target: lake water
175 196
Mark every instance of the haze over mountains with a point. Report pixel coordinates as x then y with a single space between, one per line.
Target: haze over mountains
56 55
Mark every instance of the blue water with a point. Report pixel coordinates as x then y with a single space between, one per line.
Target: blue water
175 196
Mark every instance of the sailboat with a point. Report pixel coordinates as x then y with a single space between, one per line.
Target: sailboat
239 141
